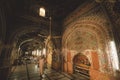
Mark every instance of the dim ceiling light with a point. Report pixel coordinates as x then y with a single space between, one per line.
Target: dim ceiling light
42 11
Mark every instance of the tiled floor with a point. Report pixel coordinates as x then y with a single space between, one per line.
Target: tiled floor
20 73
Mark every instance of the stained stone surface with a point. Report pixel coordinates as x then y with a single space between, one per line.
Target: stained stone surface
20 73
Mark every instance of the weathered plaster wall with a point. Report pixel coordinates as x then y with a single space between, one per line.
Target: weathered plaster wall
88 29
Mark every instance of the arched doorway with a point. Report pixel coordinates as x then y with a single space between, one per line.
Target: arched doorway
89 34
81 64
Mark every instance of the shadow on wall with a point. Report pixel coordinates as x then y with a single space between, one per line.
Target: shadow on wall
3 73
118 75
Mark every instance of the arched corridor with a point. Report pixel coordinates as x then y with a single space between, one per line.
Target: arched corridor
78 39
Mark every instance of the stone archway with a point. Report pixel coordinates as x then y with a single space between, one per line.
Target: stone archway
89 34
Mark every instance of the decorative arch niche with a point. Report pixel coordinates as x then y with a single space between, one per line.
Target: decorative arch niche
90 36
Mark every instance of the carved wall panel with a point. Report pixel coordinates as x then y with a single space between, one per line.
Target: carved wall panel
89 31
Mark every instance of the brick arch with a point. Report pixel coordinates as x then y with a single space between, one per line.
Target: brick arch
23 30
13 40
97 22
99 25
97 30
82 56
88 26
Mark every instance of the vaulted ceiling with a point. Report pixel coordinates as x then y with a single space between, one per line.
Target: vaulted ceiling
24 23
24 13
59 9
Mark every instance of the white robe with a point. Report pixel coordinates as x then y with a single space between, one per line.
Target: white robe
41 66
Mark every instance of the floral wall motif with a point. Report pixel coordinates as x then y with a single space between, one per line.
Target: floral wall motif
89 31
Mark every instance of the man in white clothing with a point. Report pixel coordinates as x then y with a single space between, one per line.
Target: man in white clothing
41 65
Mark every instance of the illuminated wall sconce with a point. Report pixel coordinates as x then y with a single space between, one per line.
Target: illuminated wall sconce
42 11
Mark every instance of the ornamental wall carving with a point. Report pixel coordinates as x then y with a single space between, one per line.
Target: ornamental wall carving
90 30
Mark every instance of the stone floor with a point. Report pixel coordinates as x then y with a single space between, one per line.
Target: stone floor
30 72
